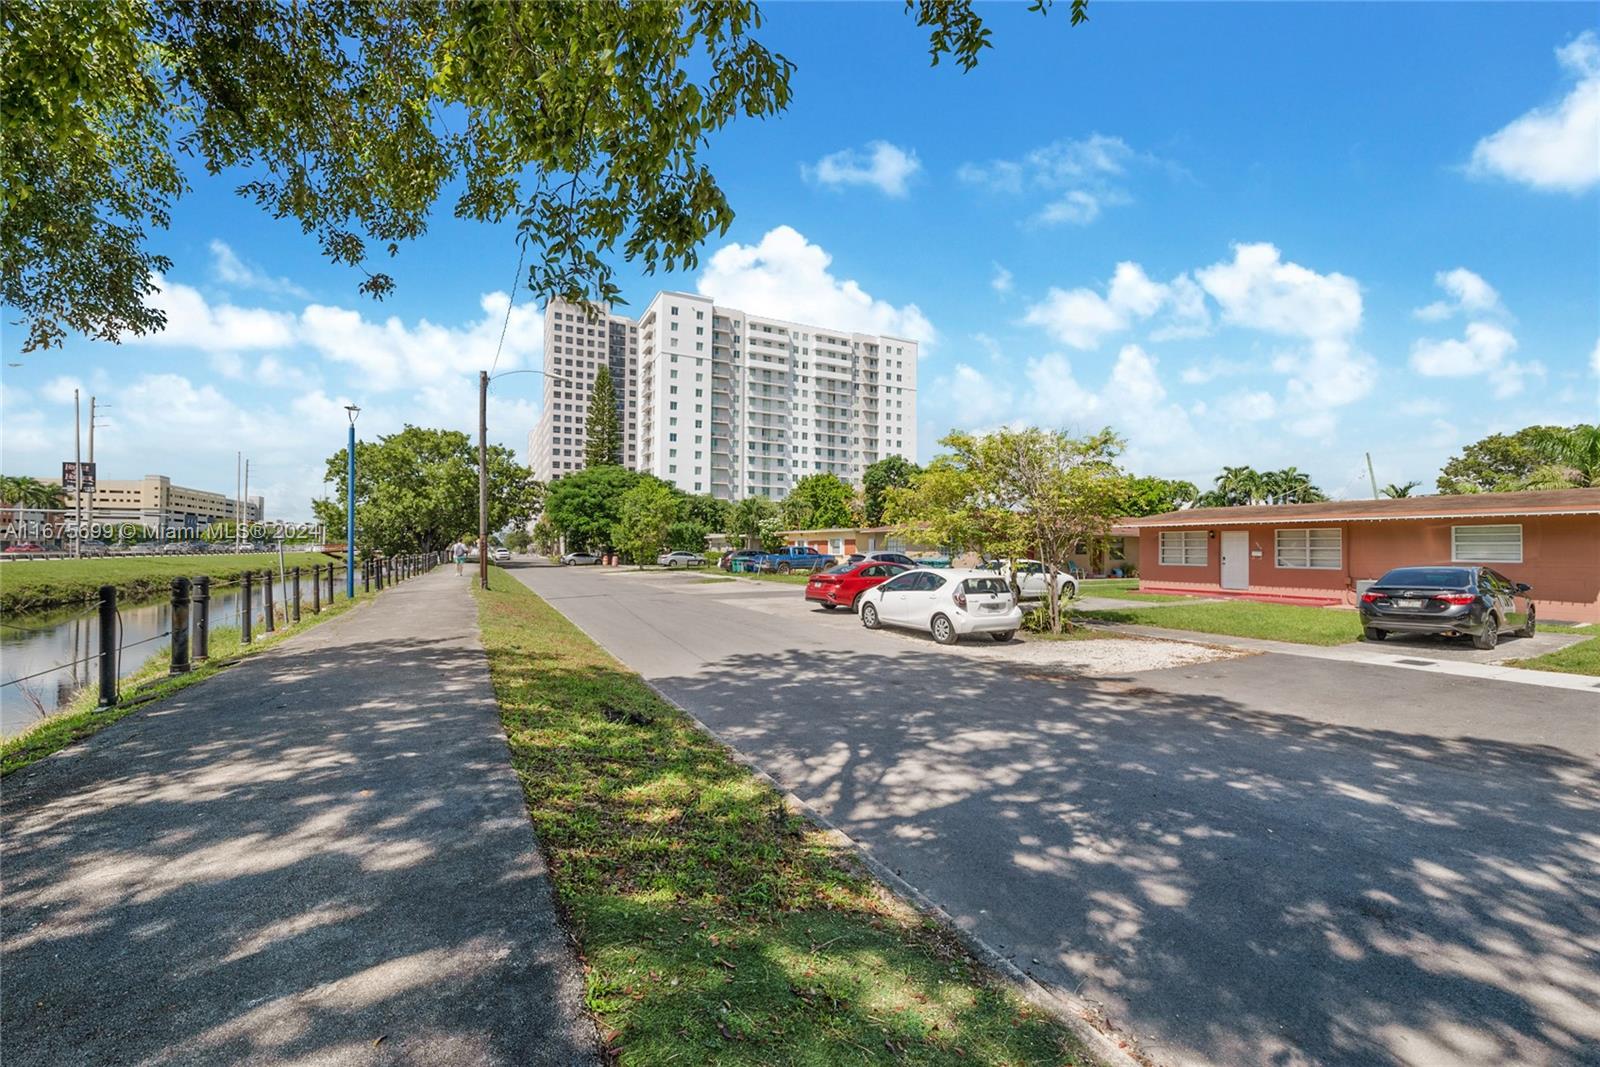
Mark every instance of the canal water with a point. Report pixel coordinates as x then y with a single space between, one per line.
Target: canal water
66 644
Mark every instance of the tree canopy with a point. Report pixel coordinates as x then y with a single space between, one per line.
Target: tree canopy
1536 457
1155 496
603 443
418 489
890 472
818 502
582 123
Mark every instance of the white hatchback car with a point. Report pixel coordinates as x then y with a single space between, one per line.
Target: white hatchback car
944 603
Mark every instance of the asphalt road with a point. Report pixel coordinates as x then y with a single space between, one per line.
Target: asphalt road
1266 860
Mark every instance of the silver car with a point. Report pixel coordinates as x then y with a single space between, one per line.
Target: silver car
680 559
579 559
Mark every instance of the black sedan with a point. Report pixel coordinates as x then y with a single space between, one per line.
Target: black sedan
1473 602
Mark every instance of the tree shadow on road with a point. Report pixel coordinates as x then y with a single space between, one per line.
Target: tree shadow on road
1239 884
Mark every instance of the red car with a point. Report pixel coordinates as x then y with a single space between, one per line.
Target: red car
842 585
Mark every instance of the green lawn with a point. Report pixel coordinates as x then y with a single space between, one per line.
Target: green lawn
35 585
80 717
1243 618
1124 589
1581 658
715 925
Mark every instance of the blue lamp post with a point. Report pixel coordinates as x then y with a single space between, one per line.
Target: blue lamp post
350 507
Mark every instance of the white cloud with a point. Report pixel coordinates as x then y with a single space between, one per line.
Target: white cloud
1259 290
1556 147
1002 280
1082 318
1469 294
1201 373
1485 349
60 390
886 167
1081 177
193 322
1594 359
1250 406
231 270
786 276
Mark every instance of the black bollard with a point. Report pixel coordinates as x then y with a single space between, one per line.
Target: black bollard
316 589
180 626
108 646
200 630
267 609
294 593
366 577
244 607
330 585
377 574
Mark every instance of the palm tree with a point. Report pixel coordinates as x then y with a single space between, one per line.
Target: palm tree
1239 485
1391 490
1573 449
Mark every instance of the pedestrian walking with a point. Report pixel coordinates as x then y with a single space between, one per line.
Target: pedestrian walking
459 551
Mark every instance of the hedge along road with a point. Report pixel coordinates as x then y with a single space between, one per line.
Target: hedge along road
1253 860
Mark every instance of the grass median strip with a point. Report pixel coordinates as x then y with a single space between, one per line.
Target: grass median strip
34 585
81 718
715 925
1581 658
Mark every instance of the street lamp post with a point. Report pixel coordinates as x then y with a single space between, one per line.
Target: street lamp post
484 378
350 507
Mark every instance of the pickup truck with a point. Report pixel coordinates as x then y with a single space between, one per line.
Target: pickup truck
793 558
1034 580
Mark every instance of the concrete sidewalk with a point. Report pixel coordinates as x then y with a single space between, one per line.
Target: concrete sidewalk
320 856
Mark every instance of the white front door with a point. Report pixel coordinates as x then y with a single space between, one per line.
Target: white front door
1235 559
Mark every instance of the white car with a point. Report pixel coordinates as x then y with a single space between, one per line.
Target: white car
579 559
1033 580
500 555
680 559
945 603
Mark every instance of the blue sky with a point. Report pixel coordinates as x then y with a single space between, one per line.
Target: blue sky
1250 233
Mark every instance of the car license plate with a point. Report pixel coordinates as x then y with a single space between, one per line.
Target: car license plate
993 607
1408 603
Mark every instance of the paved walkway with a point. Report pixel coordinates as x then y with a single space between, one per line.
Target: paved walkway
320 856
1410 656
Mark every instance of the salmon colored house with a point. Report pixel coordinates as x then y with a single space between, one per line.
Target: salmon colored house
1327 553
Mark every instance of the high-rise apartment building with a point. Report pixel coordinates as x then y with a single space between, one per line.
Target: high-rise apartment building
724 402
575 347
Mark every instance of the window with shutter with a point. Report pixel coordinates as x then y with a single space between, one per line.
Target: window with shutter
1183 548
1486 544
1308 549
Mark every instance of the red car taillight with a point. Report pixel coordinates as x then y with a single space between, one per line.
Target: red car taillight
1455 598
1371 598
960 598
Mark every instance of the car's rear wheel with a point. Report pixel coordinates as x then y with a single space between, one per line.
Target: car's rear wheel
869 616
1532 626
1372 633
1003 636
1490 636
943 630
855 605
784 568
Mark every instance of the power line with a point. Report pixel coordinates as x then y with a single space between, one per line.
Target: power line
511 301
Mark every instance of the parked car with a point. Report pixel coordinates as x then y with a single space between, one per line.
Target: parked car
842 585
945 603
579 559
499 554
680 559
1033 580
1474 602
882 557
24 548
794 558
742 555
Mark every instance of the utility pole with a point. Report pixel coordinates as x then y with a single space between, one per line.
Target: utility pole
1373 478
77 476
238 494
350 507
483 479
245 504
